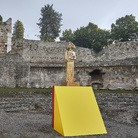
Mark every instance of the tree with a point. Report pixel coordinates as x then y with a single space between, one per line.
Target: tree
18 30
1 19
67 36
125 29
49 23
92 37
82 38
101 39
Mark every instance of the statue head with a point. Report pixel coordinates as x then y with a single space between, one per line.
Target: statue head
70 46
70 55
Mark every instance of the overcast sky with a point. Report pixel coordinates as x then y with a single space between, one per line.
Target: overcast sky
75 13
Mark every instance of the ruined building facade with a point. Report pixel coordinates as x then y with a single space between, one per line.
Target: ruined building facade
5 37
33 63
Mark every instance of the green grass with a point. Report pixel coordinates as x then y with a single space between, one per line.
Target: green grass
77 47
24 89
50 90
100 54
115 91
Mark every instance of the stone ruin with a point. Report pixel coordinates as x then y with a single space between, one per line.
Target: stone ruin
5 37
38 64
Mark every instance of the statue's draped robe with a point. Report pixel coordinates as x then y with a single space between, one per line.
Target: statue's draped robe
70 57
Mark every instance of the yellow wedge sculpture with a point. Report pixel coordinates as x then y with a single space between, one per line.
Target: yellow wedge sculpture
75 111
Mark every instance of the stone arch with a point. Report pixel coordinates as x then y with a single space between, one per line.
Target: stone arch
96 79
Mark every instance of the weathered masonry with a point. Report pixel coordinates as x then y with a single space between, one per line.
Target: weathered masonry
33 63
5 37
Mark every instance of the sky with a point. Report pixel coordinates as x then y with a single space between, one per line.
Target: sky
75 13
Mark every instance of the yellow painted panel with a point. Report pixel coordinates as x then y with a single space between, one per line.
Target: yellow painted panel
78 111
57 119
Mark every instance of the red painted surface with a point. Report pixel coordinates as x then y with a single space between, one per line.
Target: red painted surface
53 107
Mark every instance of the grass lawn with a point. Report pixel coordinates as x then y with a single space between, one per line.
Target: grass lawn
116 91
50 90
24 89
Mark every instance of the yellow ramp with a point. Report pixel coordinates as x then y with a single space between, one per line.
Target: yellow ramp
76 111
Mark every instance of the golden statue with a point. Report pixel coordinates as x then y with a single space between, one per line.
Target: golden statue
70 56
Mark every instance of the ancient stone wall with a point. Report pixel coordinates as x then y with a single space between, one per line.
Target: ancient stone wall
13 71
121 50
33 63
39 51
111 77
5 37
46 77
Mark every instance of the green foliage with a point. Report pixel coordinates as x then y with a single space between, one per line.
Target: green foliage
102 38
18 30
67 36
1 19
125 29
82 38
49 23
99 54
92 37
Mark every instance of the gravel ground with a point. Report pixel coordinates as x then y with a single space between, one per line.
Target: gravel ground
28 115
38 125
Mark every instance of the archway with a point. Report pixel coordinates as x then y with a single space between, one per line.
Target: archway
96 79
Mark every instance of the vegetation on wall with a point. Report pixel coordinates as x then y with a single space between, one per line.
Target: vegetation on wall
18 30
